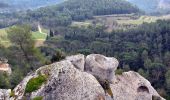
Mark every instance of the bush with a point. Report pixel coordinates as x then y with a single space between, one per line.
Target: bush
119 72
59 55
38 98
12 94
35 83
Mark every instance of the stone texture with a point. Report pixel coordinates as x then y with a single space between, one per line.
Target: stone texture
69 84
68 81
101 67
132 86
5 94
78 61
19 90
4 66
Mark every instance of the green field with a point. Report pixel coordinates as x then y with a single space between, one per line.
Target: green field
36 35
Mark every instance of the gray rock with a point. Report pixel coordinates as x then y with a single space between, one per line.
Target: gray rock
132 86
69 84
78 61
19 90
101 67
5 94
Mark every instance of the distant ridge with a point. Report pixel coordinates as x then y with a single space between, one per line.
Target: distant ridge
150 6
18 5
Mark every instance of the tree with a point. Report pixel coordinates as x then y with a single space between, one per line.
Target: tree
59 55
168 80
51 33
20 36
143 73
167 59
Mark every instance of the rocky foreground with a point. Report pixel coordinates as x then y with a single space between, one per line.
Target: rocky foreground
85 78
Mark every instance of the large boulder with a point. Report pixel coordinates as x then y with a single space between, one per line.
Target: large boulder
68 83
101 67
132 86
78 61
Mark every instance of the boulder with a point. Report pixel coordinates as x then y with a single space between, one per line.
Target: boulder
78 61
101 67
68 83
132 86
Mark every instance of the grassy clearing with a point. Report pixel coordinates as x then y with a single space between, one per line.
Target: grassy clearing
36 35
140 20
120 21
39 36
80 24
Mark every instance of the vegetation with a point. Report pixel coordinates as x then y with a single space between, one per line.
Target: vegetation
35 84
38 98
144 49
23 48
63 14
59 55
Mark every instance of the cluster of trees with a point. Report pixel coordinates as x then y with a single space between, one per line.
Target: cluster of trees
145 49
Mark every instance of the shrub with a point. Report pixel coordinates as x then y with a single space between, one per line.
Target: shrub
35 83
59 55
12 94
119 72
38 98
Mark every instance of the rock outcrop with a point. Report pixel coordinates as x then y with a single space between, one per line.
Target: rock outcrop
101 67
77 78
4 66
5 94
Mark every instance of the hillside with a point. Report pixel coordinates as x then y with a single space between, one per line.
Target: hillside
151 6
82 78
17 5
78 10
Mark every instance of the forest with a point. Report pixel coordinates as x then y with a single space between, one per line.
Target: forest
63 14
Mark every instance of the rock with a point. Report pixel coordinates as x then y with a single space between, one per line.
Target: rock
67 81
5 94
132 86
78 61
19 90
101 67
69 84
4 67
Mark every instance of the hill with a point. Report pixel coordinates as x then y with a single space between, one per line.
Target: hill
78 10
19 5
150 6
